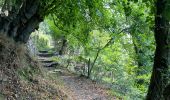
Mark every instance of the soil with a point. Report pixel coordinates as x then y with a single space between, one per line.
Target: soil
80 87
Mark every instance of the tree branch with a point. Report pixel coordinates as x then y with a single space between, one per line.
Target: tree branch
99 50
111 39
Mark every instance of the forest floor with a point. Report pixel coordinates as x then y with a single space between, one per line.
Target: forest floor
23 78
85 89
79 87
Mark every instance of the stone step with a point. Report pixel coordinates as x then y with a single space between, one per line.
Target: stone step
53 64
45 54
44 58
46 61
43 51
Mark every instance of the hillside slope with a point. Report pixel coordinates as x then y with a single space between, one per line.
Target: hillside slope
21 77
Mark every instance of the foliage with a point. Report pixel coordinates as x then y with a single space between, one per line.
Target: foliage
41 40
115 35
116 32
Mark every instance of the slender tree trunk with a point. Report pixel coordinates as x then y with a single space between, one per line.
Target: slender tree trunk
64 44
159 79
88 70
138 57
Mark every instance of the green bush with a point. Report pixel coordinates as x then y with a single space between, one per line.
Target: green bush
41 40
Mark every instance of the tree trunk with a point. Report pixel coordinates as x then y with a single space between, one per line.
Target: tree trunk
159 78
138 57
20 24
88 70
64 44
167 92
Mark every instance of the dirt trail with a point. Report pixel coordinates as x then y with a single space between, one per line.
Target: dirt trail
81 88
85 89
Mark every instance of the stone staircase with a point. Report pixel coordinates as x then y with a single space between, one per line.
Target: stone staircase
45 58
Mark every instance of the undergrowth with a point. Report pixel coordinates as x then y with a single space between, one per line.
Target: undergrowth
21 78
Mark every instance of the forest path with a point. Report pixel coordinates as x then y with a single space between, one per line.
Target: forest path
81 88
86 89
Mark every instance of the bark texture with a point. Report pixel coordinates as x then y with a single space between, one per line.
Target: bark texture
63 47
159 78
20 22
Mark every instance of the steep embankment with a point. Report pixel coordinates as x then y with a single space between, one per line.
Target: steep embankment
20 76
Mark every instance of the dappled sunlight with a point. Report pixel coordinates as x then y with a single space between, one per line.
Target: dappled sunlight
84 49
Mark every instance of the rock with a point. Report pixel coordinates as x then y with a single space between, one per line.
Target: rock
45 54
46 61
43 51
53 64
